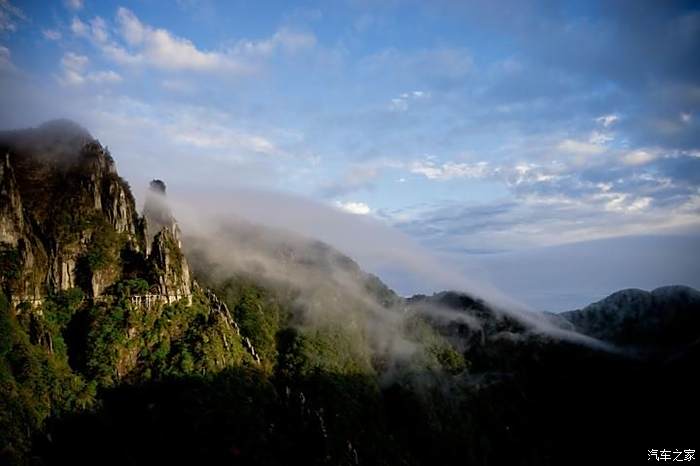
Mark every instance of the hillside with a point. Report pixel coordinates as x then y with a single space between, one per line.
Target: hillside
666 317
123 342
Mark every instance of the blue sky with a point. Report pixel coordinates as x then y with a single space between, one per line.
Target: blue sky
487 132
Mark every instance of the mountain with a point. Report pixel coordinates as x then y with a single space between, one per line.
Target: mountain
69 220
123 341
666 317
93 294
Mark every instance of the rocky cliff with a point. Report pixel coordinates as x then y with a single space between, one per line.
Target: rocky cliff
164 242
68 220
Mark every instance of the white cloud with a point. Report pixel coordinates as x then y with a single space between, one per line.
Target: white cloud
74 67
580 148
639 204
402 102
71 78
219 137
197 139
132 30
357 208
604 187
162 49
51 34
74 4
284 39
625 203
120 55
638 157
107 76
150 46
527 173
78 27
140 44
399 105
359 176
159 48
607 120
74 61
686 117
450 170
98 27
600 138
205 129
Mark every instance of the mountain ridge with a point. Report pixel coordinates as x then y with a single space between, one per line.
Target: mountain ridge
254 346
665 316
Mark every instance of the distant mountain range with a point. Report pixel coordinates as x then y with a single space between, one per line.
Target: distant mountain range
122 342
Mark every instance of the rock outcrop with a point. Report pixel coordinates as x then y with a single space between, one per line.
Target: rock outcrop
68 220
11 216
23 260
165 244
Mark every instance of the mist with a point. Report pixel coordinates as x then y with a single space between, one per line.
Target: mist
306 251
377 247
571 276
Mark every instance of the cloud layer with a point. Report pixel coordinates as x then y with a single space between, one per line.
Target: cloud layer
473 132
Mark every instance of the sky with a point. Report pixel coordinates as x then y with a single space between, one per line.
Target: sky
549 148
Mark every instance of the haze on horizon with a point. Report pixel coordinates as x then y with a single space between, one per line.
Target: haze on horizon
550 149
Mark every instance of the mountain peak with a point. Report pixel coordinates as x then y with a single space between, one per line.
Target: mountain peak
676 291
71 222
157 186
665 316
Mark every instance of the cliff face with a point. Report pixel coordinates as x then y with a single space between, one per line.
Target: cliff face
23 262
164 239
68 220
11 217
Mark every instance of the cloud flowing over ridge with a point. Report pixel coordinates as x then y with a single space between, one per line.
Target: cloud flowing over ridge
476 134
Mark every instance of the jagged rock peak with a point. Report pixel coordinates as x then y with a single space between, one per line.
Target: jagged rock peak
61 199
68 220
157 186
164 243
172 269
156 210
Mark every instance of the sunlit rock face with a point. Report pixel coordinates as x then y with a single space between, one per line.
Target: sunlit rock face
68 220
11 215
22 253
164 244
172 269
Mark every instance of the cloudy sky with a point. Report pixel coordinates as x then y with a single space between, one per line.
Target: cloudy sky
552 146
